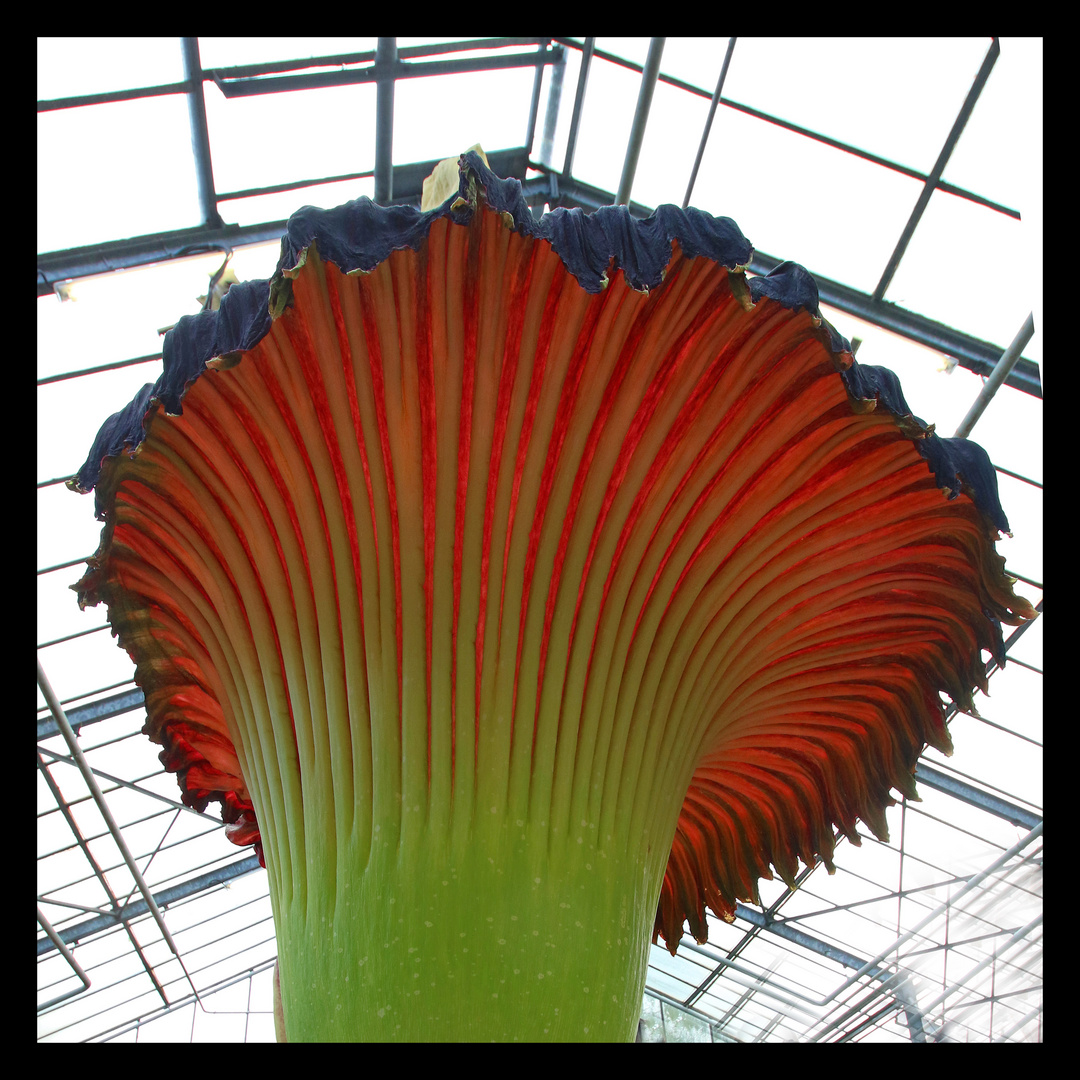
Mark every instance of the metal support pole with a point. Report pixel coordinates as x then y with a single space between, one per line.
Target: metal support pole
972 883
551 113
939 167
579 98
641 118
1007 362
134 908
385 62
973 796
965 979
708 122
65 952
200 136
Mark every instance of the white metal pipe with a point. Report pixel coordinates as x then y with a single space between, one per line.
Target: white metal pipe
972 883
1002 368
65 952
886 983
754 980
91 782
962 982
641 117
1010 1031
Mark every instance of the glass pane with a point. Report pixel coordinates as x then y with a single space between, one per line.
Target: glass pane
965 268
72 67
1001 144
115 170
797 199
257 141
219 52
895 98
606 119
697 61
440 116
281 205
672 137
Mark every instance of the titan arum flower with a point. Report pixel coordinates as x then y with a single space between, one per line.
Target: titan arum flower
521 589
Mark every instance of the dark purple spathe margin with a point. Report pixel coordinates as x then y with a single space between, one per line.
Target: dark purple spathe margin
359 235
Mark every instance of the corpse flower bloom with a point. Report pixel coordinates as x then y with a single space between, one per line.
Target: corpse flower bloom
521 589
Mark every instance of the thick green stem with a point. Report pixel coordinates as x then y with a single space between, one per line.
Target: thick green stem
512 938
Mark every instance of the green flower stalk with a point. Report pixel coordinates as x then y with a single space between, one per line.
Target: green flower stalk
521 588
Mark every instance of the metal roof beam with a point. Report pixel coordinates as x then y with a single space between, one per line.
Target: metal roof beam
554 106
104 709
386 63
1000 373
984 800
232 87
54 267
579 100
200 135
410 52
709 121
57 266
162 899
939 167
641 118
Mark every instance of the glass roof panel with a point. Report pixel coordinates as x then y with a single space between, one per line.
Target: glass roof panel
437 117
73 67
794 198
96 180
894 97
960 254
697 61
998 149
222 52
665 164
606 118
252 146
